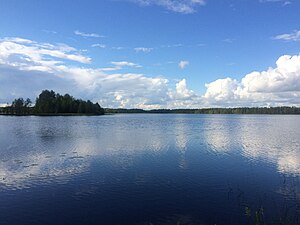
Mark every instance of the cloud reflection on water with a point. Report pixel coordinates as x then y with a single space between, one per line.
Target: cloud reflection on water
54 149
272 139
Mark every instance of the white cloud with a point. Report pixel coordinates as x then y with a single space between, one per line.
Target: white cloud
143 49
18 40
178 6
27 67
98 45
221 89
182 90
284 2
18 51
83 34
172 46
294 36
275 86
183 97
125 63
183 64
118 48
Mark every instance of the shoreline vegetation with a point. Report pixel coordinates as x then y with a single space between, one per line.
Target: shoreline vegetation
241 110
30 111
49 103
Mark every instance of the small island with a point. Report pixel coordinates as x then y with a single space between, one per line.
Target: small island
49 103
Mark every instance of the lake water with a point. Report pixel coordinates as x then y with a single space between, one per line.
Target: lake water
150 169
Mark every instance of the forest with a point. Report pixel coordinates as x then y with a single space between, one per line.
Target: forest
51 103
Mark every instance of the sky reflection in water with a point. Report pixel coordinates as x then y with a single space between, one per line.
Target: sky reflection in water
165 167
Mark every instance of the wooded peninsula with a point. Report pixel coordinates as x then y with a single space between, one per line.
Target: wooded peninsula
49 103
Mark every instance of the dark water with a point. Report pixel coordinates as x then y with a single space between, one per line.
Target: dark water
142 169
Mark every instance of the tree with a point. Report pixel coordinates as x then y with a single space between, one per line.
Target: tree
46 102
81 107
27 105
50 102
27 102
18 105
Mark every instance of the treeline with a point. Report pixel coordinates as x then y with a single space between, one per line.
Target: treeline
241 110
18 106
49 102
253 110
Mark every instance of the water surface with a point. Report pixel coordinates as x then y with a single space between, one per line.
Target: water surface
142 169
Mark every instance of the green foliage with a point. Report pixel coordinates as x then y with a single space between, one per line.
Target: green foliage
50 102
19 106
46 102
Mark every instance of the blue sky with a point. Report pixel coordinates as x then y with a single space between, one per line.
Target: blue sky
153 53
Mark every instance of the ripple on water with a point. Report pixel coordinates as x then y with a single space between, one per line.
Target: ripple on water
168 168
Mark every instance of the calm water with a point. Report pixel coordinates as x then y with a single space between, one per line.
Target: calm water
142 169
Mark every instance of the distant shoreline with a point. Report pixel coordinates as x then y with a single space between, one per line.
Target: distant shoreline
49 103
109 111
284 110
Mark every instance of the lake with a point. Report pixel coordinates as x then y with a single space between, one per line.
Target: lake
150 169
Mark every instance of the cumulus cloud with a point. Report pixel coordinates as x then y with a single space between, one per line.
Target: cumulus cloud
183 64
183 97
143 49
83 34
182 91
275 86
178 6
221 89
27 67
294 36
